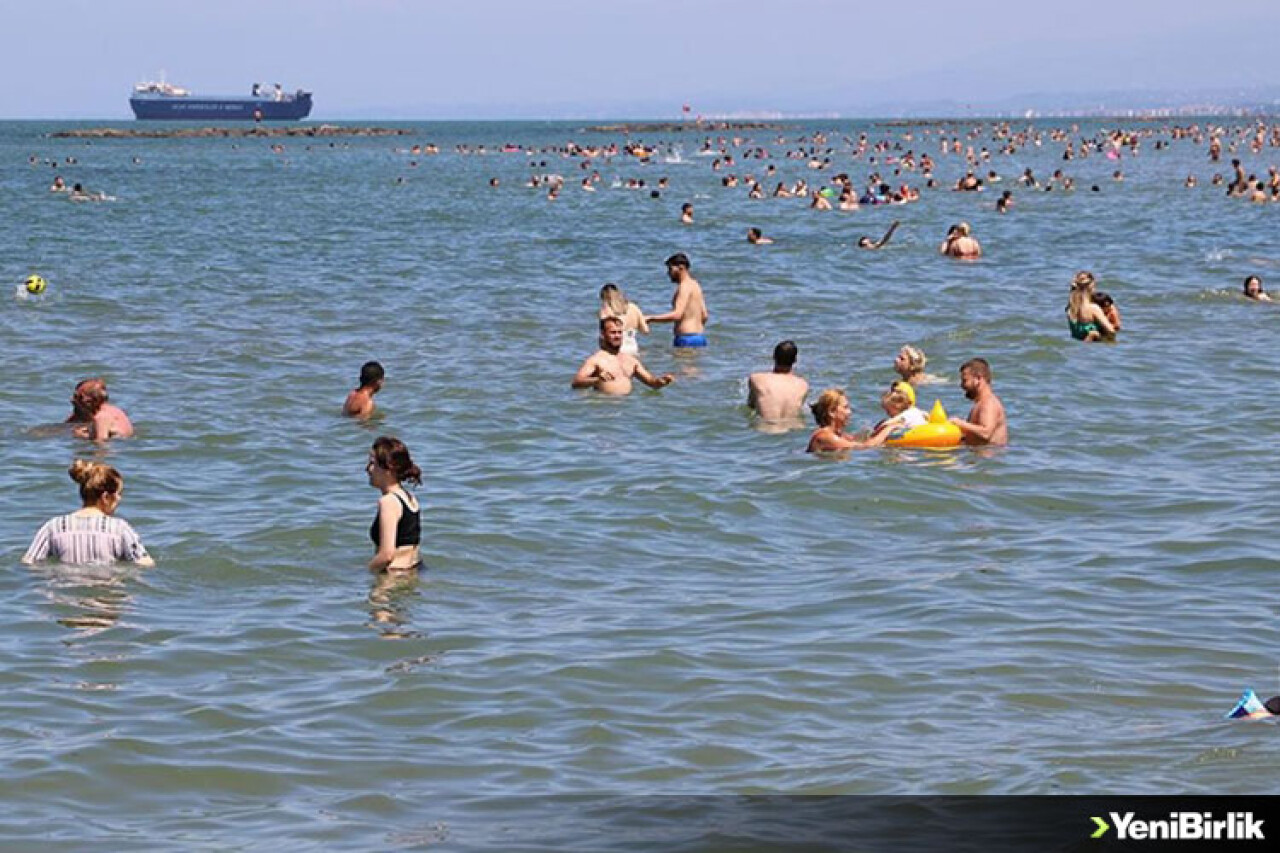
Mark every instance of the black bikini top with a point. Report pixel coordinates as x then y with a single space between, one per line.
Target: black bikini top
408 528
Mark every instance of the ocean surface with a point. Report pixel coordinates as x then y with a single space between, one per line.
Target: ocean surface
623 597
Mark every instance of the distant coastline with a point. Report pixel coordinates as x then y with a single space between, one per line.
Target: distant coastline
213 132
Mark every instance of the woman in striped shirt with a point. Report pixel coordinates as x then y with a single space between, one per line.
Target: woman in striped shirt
91 534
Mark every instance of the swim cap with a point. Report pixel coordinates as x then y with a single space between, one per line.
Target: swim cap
905 387
35 284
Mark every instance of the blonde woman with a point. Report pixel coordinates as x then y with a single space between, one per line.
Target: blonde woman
91 534
614 303
832 412
1085 318
960 242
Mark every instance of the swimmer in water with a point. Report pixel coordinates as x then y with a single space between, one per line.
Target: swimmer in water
688 306
777 396
865 242
1250 707
79 193
359 403
909 364
960 243
609 370
1087 320
1108 306
986 423
91 534
831 411
900 408
1253 289
397 528
756 237
614 303
95 418
686 213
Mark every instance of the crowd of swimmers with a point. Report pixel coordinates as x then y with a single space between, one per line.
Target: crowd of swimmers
777 396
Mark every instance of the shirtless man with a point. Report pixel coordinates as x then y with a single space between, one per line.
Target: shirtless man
986 424
779 394
359 402
95 418
609 370
959 243
688 308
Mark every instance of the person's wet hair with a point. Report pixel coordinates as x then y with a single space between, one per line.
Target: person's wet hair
390 454
825 406
371 372
95 480
679 259
785 353
978 367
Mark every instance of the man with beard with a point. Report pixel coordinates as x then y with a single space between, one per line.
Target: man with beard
609 370
986 424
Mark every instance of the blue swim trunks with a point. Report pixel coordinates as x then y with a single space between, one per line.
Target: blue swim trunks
698 340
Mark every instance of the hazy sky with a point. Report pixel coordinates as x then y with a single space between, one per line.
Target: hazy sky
560 58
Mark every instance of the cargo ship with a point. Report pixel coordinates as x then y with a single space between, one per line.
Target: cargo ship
161 100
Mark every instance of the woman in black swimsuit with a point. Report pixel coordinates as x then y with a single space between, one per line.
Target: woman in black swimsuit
397 528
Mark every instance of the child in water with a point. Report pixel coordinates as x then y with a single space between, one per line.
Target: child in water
1108 306
898 405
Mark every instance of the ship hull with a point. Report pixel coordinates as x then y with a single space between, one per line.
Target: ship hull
221 109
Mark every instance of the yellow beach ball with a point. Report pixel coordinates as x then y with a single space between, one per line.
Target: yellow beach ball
36 284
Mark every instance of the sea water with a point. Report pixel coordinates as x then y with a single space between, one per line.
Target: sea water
622 596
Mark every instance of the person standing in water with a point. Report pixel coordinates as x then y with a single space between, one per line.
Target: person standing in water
359 402
93 416
688 308
778 396
960 243
1086 320
609 369
397 528
832 412
986 424
614 303
91 534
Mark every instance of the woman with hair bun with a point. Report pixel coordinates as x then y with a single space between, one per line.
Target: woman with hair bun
397 528
91 534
